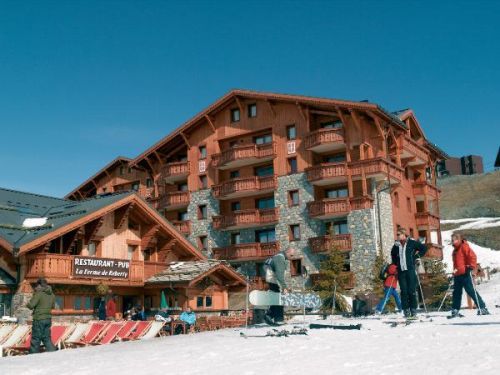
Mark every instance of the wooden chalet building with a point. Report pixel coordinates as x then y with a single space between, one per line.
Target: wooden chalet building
117 240
256 172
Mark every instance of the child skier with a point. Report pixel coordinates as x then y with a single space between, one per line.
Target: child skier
464 263
390 285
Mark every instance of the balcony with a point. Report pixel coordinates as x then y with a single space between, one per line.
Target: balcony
434 251
246 218
426 220
247 251
245 186
171 200
325 140
58 268
244 155
346 279
328 208
361 203
183 226
323 244
424 188
377 168
326 173
412 150
173 172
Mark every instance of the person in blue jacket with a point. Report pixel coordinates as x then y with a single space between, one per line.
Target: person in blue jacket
189 318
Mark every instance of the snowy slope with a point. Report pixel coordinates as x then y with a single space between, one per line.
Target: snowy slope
485 256
470 345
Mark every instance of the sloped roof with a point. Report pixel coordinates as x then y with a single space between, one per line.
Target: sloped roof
187 272
6 279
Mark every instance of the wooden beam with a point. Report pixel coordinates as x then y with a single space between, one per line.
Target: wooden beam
91 229
149 164
121 214
358 123
325 113
240 105
158 157
301 110
148 235
271 107
185 139
69 239
210 122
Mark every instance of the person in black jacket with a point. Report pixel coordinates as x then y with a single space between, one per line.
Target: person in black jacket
405 252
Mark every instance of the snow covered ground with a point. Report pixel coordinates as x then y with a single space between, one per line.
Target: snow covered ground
485 256
469 345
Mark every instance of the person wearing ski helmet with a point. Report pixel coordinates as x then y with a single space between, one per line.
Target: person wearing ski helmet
405 253
464 268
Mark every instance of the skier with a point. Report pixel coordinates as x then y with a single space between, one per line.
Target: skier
390 285
464 264
405 252
274 268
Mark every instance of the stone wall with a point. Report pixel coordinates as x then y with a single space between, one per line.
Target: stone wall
383 204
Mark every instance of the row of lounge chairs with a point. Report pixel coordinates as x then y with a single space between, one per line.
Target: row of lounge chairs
16 339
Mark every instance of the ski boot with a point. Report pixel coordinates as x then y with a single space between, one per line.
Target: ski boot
483 311
413 315
455 314
269 320
407 313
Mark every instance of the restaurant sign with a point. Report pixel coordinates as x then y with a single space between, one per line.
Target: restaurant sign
89 267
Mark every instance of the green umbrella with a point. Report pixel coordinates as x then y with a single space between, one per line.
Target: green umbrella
163 302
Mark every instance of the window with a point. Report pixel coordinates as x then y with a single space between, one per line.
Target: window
408 203
292 165
235 206
293 198
208 301
233 144
396 199
337 193
234 174
265 235
122 170
252 110
331 125
199 301
235 115
182 216
59 303
202 212
129 170
130 252
263 139
291 132
146 254
182 186
294 232
235 238
77 303
203 302
135 186
204 181
203 242
338 158
296 267
87 303
263 203
91 249
203 152
336 227
149 182
264 170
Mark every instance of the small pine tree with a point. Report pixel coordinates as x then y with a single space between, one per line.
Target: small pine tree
436 284
332 277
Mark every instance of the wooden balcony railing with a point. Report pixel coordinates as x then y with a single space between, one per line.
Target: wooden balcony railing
341 242
377 168
59 267
247 251
426 219
171 199
240 186
434 251
414 149
329 207
183 226
241 153
324 136
361 203
245 218
425 188
326 171
174 170
346 279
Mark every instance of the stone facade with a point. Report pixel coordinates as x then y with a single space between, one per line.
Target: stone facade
384 218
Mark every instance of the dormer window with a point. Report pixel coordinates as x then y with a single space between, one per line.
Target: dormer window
235 115
252 110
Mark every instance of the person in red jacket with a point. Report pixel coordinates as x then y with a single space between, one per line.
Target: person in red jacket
111 308
464 265
390 285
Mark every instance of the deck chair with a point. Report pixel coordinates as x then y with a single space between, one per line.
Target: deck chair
5 331
154 330
76 335
139 330
16 338
110 334
95 330
59 332
127 328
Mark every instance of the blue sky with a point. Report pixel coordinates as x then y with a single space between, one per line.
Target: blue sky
84 81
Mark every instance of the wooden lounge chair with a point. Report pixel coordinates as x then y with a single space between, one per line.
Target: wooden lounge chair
155 329
127 328
16 338
140 329
5 331
59 333
76 335
96 329
110 333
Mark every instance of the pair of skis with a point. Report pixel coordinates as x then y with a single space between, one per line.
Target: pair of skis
278 333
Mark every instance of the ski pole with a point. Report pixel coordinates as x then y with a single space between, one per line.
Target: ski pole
421 291
475 293
445 296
